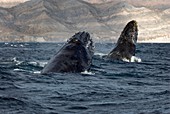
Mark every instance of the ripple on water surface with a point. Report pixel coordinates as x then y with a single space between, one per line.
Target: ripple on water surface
110 87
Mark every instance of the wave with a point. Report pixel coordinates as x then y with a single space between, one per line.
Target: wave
165 92
100 54
11 100
77 108
23 66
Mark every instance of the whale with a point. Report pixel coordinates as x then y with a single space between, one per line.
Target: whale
74 57
125 47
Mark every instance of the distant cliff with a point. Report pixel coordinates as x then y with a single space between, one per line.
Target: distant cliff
55 20
10 3
159 4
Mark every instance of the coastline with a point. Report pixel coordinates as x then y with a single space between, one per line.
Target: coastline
102 40
156 40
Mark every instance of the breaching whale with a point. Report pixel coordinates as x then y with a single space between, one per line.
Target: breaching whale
75 56
126 44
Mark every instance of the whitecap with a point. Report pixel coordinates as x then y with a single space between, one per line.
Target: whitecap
42 64
37 72
21 45
100 54
16 61
19 69
87 73
33 63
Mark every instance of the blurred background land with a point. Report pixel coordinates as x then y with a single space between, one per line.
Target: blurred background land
57 20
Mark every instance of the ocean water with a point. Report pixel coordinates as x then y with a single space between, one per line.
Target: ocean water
112 87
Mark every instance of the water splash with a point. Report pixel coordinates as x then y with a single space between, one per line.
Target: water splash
87 73
133 59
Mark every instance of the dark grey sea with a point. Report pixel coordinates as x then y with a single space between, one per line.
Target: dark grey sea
111 87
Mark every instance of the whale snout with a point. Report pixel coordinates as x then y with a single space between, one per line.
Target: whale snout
84 39
126 44
131 31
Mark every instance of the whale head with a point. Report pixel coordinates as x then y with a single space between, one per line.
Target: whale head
84 39
75 55
126 44
130 32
